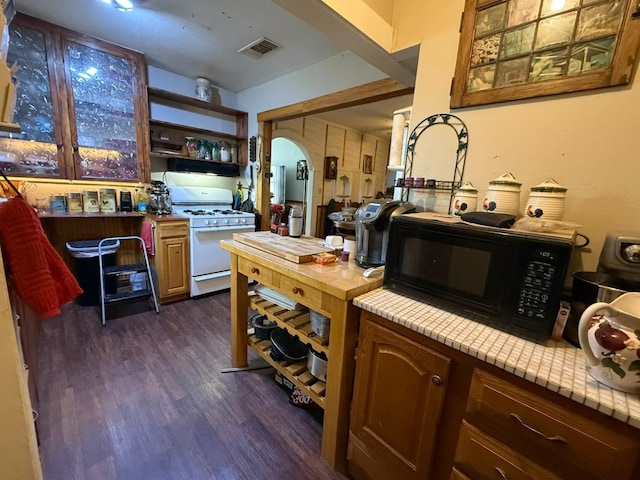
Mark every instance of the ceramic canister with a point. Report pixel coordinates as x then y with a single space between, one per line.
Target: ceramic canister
203 89
503 195
466 199
546 201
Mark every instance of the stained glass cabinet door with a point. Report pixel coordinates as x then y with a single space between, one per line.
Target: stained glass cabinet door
107 101
37 150
81 104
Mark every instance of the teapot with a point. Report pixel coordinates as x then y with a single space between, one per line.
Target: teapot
609 335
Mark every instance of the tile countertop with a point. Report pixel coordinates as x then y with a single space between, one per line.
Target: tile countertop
558 366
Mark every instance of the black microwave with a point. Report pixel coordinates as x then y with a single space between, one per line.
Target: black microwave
509 279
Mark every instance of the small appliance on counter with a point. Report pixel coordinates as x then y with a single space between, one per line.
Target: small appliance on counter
618 272
509 279
159 199
620 255
372 230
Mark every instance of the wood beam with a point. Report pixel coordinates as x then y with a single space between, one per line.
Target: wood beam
360 95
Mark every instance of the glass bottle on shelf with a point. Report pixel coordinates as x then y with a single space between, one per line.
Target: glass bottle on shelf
215 152
192 146
234 153
202 149
225 151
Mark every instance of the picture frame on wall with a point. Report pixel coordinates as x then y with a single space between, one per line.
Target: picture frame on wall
330 168
367 164
517 49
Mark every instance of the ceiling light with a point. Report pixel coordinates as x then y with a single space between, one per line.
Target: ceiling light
123 5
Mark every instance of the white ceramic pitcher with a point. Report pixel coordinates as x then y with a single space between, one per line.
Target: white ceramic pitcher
609 334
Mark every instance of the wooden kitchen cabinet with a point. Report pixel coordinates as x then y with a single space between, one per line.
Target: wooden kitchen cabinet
29 330
171 259
492 424
568 444
89 98
483 458
398 395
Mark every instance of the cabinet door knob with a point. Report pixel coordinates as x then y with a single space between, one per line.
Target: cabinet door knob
255 270
436 380
297 291
555 438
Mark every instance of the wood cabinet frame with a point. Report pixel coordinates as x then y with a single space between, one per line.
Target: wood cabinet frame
618 72
65 129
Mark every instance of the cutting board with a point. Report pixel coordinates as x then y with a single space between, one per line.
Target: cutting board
298 250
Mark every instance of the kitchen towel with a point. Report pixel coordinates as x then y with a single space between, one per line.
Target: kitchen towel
147 236
39 276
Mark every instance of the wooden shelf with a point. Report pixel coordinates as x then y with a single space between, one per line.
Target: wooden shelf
200 131
185 157
159 94
296 322
296 373
10 127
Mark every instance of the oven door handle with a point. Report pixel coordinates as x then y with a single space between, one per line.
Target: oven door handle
219 229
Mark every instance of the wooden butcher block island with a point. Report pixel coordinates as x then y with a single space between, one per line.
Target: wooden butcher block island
327 289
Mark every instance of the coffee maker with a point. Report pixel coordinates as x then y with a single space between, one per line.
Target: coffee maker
159 199
372 230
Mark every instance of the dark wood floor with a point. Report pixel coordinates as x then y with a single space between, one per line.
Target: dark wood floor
144 398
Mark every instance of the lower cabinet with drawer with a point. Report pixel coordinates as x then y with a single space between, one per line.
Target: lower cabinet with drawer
482 423
540 431
171 259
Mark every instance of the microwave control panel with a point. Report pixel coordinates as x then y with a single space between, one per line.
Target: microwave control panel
540 277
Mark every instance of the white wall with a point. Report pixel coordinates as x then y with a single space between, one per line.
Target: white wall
339 72
585 141
186 86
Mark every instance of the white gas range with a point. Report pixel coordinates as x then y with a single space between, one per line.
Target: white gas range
211 220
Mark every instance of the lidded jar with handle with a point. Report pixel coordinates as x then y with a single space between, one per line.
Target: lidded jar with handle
503 195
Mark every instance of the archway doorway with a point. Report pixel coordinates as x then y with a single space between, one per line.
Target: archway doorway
371 92
287 185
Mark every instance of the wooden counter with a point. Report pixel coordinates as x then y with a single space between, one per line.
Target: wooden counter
63 228
327 289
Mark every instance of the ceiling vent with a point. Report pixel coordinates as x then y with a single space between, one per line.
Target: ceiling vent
259 47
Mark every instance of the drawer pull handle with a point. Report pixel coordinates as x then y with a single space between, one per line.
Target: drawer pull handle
555 438
501 473
436 380
297 291
255 270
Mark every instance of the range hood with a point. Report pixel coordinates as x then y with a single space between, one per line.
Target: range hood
202 166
